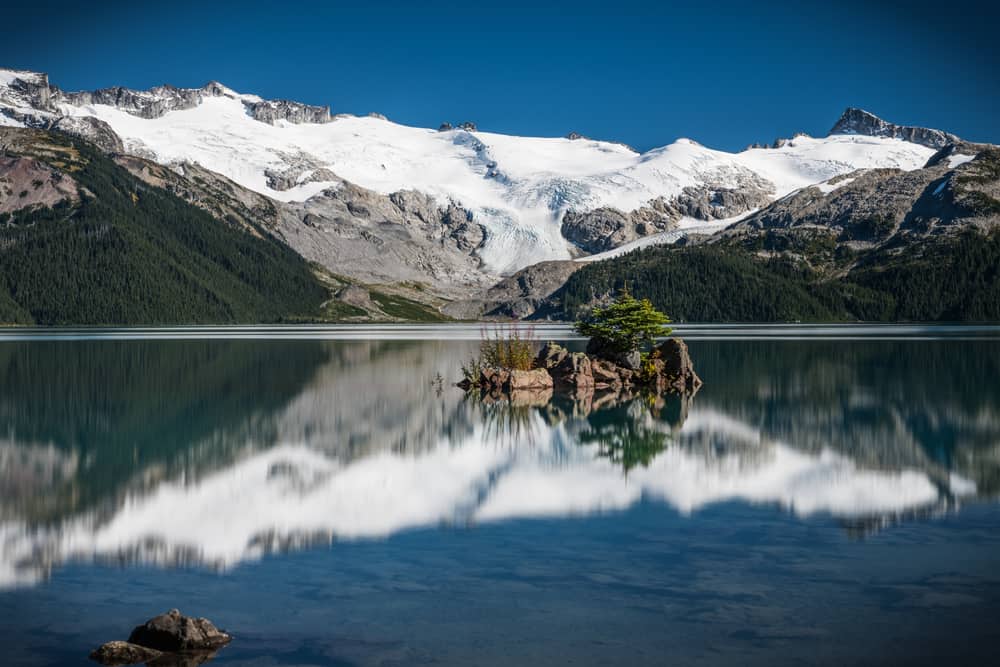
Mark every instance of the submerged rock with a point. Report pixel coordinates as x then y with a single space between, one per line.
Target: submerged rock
123 653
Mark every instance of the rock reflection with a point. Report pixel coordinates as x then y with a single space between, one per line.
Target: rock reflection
212 454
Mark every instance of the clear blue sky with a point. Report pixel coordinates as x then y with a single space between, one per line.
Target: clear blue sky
645 73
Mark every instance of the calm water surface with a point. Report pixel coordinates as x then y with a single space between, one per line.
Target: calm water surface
828 497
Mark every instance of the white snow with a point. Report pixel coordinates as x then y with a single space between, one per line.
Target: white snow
959 159
9 76
517 187
940 188
7 121
826 187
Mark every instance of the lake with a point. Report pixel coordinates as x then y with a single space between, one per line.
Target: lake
328 496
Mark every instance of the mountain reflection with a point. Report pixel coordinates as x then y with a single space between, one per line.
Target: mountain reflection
216 452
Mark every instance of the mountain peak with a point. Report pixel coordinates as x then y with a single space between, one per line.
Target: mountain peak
859 121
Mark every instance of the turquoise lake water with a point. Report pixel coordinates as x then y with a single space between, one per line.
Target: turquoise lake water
326 495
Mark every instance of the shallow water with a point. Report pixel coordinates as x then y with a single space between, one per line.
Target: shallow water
325 494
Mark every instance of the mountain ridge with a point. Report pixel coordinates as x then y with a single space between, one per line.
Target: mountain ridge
471 223
517 189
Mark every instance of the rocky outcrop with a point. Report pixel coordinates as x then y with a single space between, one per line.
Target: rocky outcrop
173 632
32 91
669 370
271 111
376 238
870 208
26 182
574 369
630 360
518 296
677 372
859 121
289 178
505 381
606 228
94 130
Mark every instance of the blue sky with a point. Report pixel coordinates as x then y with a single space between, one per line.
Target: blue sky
723 73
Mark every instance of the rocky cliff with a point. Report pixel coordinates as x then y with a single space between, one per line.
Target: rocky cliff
859 121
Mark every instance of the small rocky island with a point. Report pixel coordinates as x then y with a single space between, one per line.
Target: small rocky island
621 356
668 370
170 639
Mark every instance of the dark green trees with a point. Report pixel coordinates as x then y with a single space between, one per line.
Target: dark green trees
626 325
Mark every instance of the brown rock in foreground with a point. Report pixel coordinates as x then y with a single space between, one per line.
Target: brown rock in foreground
168 640
537 378
123 653
173 632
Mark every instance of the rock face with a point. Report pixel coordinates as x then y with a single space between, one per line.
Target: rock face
537 378
873 207
859 121
271 111
573 370
34 91
518 296
605 228
173 632
377 238
93 130
678 369
503 381
26 182
631 360
123 653
550 356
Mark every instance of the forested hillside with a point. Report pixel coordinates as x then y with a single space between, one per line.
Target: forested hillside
953 279
124 252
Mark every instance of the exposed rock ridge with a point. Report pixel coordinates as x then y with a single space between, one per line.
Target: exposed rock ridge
859 121
606 228
32 91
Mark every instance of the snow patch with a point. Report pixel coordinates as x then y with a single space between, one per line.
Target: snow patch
827 187
7 121
959 159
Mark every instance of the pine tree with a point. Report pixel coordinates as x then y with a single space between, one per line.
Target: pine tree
625 325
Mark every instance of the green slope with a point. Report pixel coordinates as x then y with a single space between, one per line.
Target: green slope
951 279
130 253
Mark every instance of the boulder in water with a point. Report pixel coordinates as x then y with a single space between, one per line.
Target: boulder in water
173 632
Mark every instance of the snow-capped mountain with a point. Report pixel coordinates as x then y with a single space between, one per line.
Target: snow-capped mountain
518 189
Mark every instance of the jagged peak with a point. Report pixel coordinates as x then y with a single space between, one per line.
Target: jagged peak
855 120
32 91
